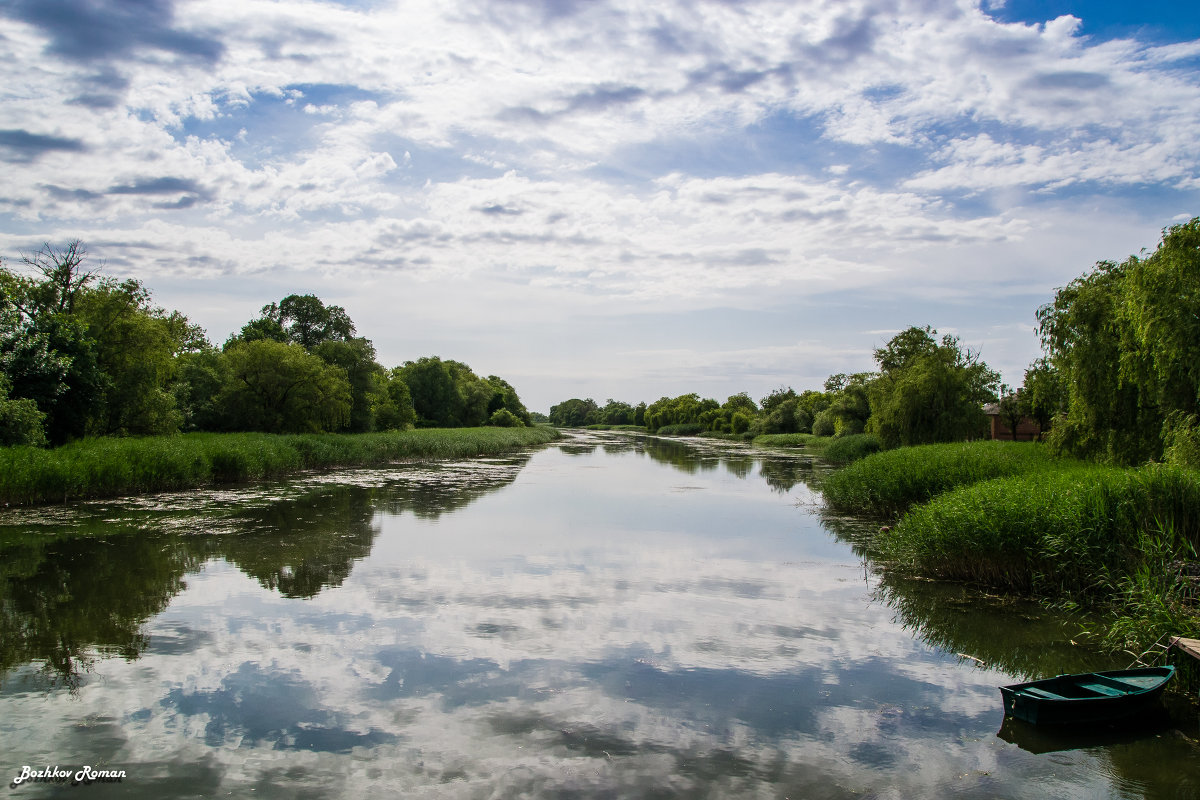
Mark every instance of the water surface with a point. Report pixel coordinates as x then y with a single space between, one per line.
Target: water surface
613 616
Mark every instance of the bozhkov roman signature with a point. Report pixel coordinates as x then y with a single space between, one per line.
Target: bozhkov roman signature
75 777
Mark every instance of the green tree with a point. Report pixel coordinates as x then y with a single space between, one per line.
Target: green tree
503 418
617 413
434 393
504 396
281 388
929 392
575 413
1043 395
196 385
92 352
1124 339
397 412
302 319
849 403
356 358
1012 409
136 346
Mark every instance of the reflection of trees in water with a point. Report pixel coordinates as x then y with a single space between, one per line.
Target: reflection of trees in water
783 472
300 546
64 599
682 456
440 489
1017 636
79 588
857 532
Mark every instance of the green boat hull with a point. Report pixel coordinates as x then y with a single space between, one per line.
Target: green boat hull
1090 697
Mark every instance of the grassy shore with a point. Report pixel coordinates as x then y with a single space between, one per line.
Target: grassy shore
1011 517
109 467
888 483
1094 536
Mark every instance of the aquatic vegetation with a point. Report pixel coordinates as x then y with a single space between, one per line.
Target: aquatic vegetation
789 440
887 483
845 449
1086 535
106 467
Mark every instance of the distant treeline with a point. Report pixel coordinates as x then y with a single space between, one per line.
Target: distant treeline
925 390
82 354
1119 381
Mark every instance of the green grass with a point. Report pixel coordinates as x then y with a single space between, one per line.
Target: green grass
1084 535
683 429
790 440
887 483
108 467
846 449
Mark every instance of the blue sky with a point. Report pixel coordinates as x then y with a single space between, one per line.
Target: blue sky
606 199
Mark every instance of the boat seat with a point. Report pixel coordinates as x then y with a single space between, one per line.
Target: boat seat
1100 688
1042 693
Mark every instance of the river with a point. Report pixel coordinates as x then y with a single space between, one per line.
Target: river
608 616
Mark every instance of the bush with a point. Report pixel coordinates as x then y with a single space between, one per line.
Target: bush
503 418
824 424
20 422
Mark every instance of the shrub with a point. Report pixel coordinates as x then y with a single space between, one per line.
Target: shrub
824 423
503 418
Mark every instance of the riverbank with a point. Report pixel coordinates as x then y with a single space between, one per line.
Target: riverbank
111 467
1012 518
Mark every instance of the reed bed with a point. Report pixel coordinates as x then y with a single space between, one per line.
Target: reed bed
1085 536
108 467
847 449
1055 533
682 429
789 440
888 483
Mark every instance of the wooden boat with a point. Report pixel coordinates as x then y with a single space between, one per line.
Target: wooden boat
1086 697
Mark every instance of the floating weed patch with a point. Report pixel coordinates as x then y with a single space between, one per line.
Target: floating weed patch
108 467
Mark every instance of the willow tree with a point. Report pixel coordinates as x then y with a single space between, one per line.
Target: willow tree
1124 338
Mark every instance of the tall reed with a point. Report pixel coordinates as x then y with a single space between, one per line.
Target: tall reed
887 483
108 467
1067 533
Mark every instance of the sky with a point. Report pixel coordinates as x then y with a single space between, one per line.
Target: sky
601 199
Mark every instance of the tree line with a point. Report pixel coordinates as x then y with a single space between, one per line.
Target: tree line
925 390
83 354
1118 382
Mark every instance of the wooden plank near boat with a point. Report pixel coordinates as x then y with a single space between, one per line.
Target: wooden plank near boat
1189 646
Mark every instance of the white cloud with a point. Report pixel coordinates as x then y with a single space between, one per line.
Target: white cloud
681 155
